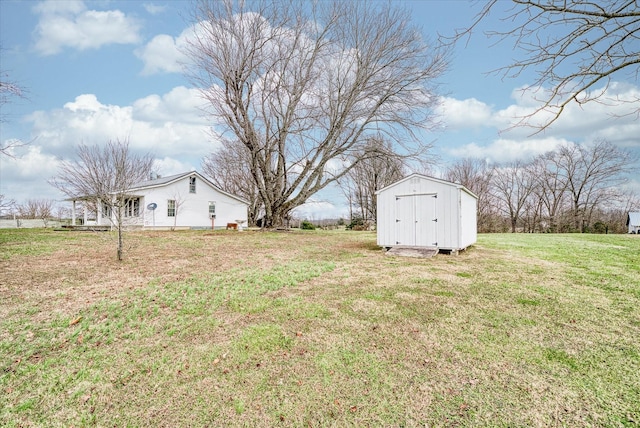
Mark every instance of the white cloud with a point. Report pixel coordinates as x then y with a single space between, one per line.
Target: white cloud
506 150
317 210
69 24
469 113
154 9
25 176
51 7
613 116
169 166
179 104
169 126
164 53
83 120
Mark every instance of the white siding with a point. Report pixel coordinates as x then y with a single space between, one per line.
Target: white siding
192 209
452 205
468 219
633 221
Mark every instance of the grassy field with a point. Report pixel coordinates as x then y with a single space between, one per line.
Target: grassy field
317 329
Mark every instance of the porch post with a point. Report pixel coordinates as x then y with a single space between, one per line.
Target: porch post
99 212
84 210
73 212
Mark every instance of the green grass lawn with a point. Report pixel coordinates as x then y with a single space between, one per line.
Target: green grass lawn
202 328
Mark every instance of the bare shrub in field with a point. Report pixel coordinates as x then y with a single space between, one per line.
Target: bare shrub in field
102 176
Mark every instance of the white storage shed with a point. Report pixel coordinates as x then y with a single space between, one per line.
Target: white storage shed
421 211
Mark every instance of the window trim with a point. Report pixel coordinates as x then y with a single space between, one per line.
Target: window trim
132 207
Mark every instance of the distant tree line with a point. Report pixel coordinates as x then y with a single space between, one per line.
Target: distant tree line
574 188
34 209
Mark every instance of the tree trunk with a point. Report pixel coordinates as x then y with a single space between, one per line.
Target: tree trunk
120 240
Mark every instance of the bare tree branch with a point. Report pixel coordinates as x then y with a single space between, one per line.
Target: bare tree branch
228 168
9 91
512 184
589 172
377 167
6 204
476 175
572 45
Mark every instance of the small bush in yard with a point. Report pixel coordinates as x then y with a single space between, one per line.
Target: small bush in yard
307 225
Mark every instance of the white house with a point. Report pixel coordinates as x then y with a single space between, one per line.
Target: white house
421 211
633 222
186 200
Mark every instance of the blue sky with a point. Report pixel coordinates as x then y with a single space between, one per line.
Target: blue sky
100 70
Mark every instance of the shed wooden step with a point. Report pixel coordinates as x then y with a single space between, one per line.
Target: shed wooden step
404 251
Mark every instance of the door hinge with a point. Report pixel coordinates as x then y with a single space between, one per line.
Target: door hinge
397 220
435 219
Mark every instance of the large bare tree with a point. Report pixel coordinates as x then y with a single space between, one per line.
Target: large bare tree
104 173
302 85
573 46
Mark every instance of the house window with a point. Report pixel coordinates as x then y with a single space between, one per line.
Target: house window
171 208
212 209
192 185
106 210
132 207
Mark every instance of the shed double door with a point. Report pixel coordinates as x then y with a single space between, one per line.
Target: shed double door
416 220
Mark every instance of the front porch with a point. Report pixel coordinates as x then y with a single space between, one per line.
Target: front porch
96 215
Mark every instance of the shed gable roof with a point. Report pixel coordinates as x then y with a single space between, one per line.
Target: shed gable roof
427 178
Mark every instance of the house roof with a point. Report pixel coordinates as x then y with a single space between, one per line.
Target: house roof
425 177
633 219
164 181
161 181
